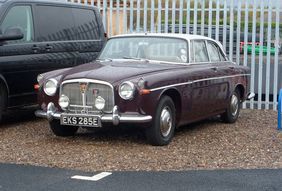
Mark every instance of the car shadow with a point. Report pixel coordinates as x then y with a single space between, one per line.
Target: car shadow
18 116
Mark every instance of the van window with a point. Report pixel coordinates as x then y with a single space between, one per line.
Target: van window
86 23
19 16
55 23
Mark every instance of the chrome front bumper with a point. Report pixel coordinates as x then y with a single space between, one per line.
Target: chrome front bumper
251 95
114 118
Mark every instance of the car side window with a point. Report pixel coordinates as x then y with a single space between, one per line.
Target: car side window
200 51
21 17
55 23
86 22
213 52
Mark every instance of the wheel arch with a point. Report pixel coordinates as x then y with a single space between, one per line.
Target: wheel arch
3 83
240 88
174 94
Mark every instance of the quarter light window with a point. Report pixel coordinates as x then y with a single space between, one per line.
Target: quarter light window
213 52
21 17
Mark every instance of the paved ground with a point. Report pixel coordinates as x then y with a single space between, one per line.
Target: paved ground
31 178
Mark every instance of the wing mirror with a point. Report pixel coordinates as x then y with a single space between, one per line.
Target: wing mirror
12 33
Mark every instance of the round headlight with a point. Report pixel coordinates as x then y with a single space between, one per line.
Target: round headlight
100 103
64 101
126 90
50 87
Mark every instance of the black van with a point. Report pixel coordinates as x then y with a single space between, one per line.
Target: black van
39 36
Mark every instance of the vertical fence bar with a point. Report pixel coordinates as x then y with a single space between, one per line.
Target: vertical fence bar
246 37
99 4
138 16
105 15
166 16
203 18
145 16
253 51
195 16
173 16
117 17
159 16
267 81
275 88
260 55
279 110
188 17
224 24
238 36
111 19
124 16
231 30
210 19
217 20
181 16
152 16
131 19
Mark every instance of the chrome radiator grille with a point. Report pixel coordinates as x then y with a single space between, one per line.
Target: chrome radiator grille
84 102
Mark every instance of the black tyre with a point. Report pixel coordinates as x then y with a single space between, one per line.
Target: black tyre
163 127
3 98
62 130
233 109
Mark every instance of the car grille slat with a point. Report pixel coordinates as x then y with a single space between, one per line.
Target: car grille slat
72 90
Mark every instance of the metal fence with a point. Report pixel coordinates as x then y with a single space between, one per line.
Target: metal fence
250 31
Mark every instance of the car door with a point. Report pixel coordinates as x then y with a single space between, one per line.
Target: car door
220 88
15 55
203 74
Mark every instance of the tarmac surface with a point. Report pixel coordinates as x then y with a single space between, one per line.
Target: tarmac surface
32 178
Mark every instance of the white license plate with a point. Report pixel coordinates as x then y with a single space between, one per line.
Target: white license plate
86 121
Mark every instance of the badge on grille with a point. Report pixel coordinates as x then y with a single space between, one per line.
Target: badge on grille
83 87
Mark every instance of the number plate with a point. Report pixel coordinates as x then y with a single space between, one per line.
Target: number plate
86 121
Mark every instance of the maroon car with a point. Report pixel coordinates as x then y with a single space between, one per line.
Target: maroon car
158 81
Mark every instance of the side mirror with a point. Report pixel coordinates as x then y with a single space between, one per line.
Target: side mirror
12 33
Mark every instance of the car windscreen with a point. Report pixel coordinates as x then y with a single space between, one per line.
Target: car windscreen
165 49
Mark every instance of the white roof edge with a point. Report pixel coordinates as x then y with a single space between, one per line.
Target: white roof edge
184 36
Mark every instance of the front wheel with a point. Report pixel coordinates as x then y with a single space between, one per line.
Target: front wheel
233 109
162 131
62 130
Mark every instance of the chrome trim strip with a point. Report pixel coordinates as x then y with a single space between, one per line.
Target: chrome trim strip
195 81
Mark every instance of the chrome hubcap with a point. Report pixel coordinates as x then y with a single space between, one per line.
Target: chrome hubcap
165 122
234 105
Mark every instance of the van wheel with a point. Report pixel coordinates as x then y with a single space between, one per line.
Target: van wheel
62 130
3 98
233 109
162 131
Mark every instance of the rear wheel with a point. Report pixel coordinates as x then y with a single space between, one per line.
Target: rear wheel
232 112
162 131
62 130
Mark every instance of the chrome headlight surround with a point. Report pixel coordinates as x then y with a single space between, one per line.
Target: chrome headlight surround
126 90
64 102
50 87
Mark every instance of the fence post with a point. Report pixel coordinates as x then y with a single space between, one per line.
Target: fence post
279 110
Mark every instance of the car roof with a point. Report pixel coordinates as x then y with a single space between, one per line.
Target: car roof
187 37
56 2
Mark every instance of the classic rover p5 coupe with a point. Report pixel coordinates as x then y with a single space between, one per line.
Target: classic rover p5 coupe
158 81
